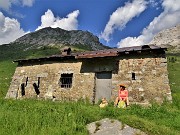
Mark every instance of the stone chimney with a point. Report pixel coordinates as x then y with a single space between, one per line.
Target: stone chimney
66 51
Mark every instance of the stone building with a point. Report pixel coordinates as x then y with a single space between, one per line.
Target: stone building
93 75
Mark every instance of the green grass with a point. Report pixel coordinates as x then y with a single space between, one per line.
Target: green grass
174 77
7 69
31 117
37 117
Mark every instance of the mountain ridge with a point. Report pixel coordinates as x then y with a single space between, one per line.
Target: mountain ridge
58 37
50 41
169 38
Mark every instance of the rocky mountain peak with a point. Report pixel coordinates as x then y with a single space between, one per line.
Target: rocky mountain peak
59 38
169 38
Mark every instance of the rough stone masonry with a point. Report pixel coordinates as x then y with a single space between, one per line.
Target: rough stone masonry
93 75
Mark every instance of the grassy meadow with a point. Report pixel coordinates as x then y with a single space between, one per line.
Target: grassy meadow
32 117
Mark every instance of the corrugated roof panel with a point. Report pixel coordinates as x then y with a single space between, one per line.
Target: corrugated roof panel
93 55
100 53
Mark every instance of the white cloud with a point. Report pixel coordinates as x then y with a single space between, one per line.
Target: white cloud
68 23
131 41
171 5
168 18
155 3
9 29
122 16
6 4
28 3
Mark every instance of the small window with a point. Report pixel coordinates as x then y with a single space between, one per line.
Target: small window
22 89
66 80
38 82
133 76
26 81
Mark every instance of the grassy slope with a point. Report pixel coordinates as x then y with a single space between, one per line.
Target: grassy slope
174 77
44 117
7 69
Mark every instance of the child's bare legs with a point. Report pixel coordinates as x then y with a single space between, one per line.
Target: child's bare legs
127 101
116 101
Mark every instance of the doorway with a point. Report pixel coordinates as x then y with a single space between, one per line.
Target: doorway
103 86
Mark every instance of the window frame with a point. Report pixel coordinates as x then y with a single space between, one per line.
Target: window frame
66 80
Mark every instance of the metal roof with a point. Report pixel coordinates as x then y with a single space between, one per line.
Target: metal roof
116 51
95 54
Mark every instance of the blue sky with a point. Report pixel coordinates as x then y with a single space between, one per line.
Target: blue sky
118 23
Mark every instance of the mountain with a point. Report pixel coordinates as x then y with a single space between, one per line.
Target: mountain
49 41
169 38
57 37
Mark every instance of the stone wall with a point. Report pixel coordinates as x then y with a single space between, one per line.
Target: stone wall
149 81
49 74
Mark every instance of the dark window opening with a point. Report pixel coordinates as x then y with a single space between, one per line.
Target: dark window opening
26 81
22 89
38 81
66 80
36 88
133 76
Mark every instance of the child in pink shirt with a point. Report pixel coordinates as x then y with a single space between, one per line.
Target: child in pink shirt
122 95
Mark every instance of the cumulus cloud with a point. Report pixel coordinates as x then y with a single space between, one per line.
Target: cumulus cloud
122 16
168 18
6 4
68 23
9 29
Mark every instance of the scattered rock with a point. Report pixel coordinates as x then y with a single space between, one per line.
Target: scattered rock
112 127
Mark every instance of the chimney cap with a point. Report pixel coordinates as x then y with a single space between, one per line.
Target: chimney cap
66 50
